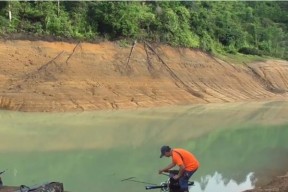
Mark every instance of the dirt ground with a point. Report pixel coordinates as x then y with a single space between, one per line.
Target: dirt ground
278 184
58 77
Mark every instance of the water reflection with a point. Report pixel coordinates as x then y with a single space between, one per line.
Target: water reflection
216 182
94 151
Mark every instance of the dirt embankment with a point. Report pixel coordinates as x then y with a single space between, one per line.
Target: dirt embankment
43 76
278 184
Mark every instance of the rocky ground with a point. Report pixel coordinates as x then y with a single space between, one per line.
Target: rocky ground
278 184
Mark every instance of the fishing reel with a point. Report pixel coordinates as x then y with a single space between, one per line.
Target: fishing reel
165 186
170 185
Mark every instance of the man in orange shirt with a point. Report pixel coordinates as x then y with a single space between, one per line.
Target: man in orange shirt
186 161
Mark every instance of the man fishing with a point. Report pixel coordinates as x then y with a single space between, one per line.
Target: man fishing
186 161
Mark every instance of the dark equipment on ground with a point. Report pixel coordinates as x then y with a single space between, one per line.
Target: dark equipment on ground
46 187
171 185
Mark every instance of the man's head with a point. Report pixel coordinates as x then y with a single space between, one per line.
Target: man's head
165 151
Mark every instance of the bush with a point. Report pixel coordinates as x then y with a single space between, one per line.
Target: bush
250 51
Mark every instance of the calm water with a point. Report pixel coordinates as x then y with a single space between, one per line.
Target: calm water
237 145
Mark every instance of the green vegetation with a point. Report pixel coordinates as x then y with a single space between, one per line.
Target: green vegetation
251 28
241 59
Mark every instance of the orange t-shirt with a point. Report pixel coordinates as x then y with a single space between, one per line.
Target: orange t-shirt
188 159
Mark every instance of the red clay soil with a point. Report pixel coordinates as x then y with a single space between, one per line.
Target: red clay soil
57 76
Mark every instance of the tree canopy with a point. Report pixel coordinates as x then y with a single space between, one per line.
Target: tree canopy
249 27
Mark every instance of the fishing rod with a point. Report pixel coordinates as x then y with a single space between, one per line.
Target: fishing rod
170 185
136 181
166 174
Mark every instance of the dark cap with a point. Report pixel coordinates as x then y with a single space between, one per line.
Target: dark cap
164 149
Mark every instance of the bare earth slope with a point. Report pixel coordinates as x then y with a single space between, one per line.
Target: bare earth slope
278 184
43 76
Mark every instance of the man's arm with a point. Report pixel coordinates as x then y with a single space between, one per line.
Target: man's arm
181 171
167 168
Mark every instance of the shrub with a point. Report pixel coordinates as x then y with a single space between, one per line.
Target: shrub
250 51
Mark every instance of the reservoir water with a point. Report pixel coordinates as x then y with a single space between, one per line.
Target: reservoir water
239 145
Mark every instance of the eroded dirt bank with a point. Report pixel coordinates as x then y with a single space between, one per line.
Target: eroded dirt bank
44 76
278 184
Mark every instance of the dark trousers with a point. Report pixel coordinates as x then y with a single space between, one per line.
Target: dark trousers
184 179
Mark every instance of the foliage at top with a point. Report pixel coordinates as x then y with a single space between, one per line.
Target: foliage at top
252 27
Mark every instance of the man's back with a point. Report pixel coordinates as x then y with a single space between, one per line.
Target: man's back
182 156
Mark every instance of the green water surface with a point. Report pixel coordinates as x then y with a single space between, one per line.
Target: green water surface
236 144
